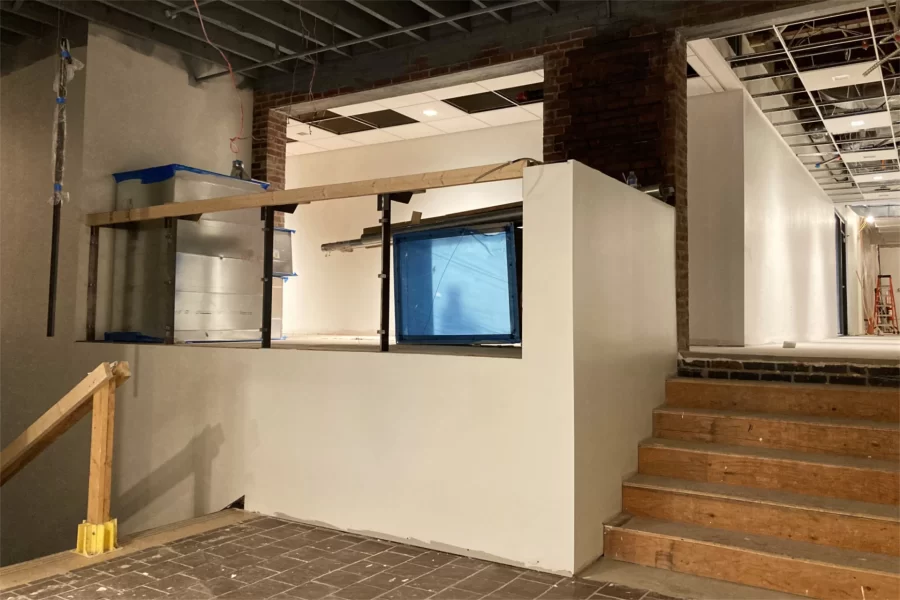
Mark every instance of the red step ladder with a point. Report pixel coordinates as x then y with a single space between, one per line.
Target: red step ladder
885 306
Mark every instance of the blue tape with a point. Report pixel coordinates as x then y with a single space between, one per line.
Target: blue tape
60 100
65 54
164 172
284 229
57 187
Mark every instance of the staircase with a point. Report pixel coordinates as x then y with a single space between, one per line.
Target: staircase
794 488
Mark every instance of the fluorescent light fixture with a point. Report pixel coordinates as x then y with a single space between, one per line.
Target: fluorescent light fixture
859 123
840 77
877 178
870 219
430 112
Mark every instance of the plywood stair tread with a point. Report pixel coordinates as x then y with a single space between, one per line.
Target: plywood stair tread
793 388
813 553
793 418
775 454
884 512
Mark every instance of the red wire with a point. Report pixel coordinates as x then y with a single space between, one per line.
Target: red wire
240 135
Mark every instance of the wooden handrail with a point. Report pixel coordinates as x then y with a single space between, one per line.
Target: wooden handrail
97 392
58 419
370 187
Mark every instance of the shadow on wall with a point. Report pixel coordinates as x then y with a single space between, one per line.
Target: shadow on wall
193 460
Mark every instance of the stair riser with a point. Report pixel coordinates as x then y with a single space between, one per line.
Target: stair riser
835 401
768 571
804 525
868 485
784 435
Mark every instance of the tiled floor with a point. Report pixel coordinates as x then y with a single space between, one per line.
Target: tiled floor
272 558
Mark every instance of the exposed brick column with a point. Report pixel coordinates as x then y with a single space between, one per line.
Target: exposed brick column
620 106
269 140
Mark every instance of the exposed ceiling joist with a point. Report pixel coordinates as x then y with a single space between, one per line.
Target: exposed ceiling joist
46 12
446 8
504 16
15 22
398 15
343 17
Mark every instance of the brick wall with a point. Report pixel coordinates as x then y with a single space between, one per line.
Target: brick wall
841 372
269 137
619 106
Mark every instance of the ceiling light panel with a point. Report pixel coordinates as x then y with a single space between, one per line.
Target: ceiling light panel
841 76
878 177
854 123
430 111
407 100
854 157
466 89
304 132
882 196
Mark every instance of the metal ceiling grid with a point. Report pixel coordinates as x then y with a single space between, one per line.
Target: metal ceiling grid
831 87
260 37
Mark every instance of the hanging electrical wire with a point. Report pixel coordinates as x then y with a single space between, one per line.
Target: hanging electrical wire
232 142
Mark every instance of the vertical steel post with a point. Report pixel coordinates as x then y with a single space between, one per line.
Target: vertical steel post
268 215
93 260
54 267
171 262
384 204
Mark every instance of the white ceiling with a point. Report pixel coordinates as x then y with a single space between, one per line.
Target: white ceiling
435 117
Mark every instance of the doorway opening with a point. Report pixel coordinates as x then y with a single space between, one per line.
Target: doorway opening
840 237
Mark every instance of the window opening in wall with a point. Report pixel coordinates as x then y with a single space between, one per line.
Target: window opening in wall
457 285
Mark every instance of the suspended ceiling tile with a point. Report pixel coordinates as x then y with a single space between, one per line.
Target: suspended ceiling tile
358 109
414 130
882 196
876 177
338 142
430 111
373 136
853 123
304 133
459 124
849 157
536 109
298 148
540 73
407 100
511 81
506 116
697 87
466 89
840 76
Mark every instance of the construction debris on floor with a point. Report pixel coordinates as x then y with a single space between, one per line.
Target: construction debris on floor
274 558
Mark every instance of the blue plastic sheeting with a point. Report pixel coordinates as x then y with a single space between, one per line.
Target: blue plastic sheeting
456 286
164 172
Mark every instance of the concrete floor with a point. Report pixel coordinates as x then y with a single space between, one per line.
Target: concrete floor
886 347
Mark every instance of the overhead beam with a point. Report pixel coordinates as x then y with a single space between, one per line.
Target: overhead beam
11 38
396 15
12 21
371 187
126 23
214 12
285 22
343 17
551 6
504 16
446 9
228 41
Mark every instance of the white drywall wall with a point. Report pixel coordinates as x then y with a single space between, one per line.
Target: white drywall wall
789 242
890 265
179 424
338 293
716 218
625 341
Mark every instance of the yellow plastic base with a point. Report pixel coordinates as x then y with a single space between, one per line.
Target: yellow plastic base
96 539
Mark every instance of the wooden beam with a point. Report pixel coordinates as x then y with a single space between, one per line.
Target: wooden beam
100 480
371 187
53 423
